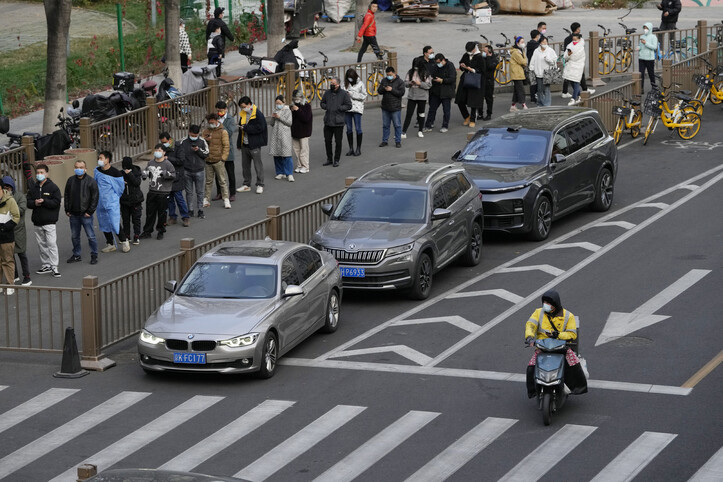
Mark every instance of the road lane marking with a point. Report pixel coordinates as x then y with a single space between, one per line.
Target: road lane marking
65 433
34 406
620 224
603 221
654 205
475 374
135 441
369 453
690 187
227 436
3 387
629 143
299 443
712 471
462 451
703 372
635 457
401 350
455 320
548 454
545 268
584 245
500 293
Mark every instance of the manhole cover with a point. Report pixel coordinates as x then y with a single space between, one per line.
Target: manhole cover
633 341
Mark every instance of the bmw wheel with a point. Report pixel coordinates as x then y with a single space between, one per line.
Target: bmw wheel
332 313
422 283
541 219
269 356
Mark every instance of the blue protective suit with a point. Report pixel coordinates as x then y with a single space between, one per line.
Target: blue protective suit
110 190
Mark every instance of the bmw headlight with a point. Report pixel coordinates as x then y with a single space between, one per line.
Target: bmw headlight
150 338
400 249
239 341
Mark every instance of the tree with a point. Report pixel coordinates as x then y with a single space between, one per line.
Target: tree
173 55
275 22
57 17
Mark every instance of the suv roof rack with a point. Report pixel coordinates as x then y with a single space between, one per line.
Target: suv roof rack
437 171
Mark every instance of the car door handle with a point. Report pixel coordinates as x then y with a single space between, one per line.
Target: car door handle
451 222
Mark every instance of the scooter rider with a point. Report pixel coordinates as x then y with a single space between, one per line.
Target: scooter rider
553 321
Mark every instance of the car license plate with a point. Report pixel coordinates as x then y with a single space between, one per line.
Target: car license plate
352 272
195 358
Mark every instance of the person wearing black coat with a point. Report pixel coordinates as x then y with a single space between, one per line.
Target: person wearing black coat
532 45
80 200
216 22
392 89
471 62
179 182
286 56
44 199
444 78
488 54
253 134
336 103
669 17
131 201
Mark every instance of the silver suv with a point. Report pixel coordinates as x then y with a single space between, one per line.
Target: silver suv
398 224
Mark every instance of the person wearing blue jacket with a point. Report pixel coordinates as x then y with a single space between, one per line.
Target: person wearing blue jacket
646 55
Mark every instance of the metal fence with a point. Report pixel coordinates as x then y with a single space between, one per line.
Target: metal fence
11 164
684 71
604 102
299 224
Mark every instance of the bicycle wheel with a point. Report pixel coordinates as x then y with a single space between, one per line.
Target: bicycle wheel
231 106
502 72
372 84
689 131
308 89
649 130
281 86
618 132
607 62
696 105
637 122
623 60
716 94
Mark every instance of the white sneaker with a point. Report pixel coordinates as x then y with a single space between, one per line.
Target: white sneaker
206 204
524 106
304 170
590 91
427 129
513 109
243 189
443 130
226 204
291 178
298 169
565 96
280 176
10 292
259 189
572 102
109 248
420 134
404 135
126 246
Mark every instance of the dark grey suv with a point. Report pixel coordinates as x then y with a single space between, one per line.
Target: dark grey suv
398 224
537 165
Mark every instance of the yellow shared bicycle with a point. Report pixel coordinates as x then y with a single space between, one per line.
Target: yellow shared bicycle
681 117
629 117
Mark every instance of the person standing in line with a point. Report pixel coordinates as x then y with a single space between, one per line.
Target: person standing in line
518 63
44 199
9 219
392 89
574 66
80 202
231 127
490 65
532 45
418 82
110 189
160 173
131 201
470 97
669 17
444 77
542 28
428 58
252 136
647 46
184 46
336 102
368 32
575 29
20 234
179 183
280 140
358 93
218 148
302 122
193 151
543 58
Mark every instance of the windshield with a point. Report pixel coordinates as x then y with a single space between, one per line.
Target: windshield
501 146
229 280
384 204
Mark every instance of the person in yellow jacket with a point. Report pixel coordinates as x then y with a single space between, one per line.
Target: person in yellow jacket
553 321
518 64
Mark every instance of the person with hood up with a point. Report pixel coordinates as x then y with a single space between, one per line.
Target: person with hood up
110 189
368 32
553 321
20 234
574 66
302 122
518 63
9 219
131 201
471 97
646 55
280 140
543 58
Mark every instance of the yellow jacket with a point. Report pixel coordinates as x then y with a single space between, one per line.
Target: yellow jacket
564 323
518 62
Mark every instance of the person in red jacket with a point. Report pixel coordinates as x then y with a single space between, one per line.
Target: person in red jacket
368 32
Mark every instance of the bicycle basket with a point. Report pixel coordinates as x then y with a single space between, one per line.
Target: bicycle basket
652 104
621 111
719 70
702 81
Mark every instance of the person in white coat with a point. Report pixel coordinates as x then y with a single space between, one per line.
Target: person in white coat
353 117
280 145
542 59
575 66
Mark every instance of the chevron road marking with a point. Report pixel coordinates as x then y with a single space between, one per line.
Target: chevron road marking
712 471
34 406
455 320
654 205
500 293
634 458
401 350
690 187
584 245
545 268
620 224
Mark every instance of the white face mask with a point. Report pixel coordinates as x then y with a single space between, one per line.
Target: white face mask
547 307
645 31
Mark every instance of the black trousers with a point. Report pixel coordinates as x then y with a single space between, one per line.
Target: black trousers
518 95
366 42
489 95
184 62
471 113
434 103
24 265
420 106
664 27
131 212
648 65
533 92
335 132
109 236
156 209
231 175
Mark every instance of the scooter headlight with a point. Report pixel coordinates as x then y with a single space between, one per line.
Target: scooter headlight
547 376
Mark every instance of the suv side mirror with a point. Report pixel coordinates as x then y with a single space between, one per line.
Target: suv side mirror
440 213
170 286
292 290
327 209
558 158
455 156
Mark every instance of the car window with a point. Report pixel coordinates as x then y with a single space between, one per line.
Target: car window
308 262
505 146
229 280
464 182
583 133
438 200
452 190
382 204
560 144
289 275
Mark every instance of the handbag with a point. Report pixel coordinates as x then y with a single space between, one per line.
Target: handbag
472 80
531 76
553 75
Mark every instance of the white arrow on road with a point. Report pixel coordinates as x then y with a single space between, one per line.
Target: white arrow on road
622 324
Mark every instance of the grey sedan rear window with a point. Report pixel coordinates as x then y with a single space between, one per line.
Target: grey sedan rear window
229 280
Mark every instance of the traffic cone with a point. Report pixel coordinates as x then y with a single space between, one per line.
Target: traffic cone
70 366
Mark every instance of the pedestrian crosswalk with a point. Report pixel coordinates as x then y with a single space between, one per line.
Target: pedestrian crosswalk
298 430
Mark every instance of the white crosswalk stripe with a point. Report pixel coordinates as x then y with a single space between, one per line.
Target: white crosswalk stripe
635 457
548 454
34 406
299 443
144 435
61 435
228 435
712 471
462 451
377 447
